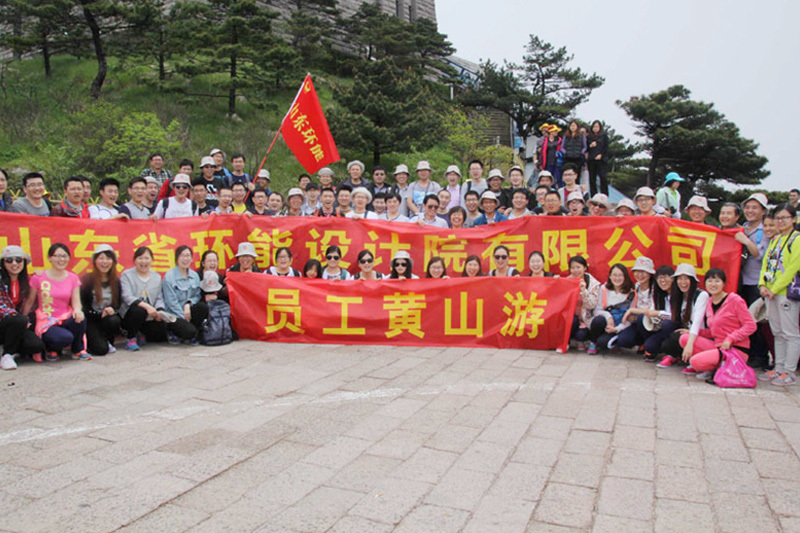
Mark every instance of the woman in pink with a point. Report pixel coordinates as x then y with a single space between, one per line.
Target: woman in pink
727 325
59 316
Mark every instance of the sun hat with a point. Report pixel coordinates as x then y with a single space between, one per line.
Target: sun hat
13 250
761 198
423 165
545 174
364 191
644 191
216 151
698 201
147 179
295 191
356 162
673 176
264 173
645 264
516 167
180 178
246 248
576 195
210 282
600 199
496 173
401 254
489 195
685 269
454 169
401 169
207 161
325 171
554 128
100 248
625 202
544 127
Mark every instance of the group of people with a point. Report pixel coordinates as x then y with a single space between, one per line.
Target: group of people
662 311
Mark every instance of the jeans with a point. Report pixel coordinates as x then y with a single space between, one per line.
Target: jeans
598 334
633 335
654 344
68 333
578 333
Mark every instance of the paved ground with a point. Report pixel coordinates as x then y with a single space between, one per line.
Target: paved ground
277 437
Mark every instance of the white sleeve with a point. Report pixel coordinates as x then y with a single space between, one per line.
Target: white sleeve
698 312
94 211
159 211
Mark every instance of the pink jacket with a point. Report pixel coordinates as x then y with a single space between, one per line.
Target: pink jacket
731 322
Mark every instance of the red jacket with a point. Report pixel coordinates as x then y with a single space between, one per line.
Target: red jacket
732 322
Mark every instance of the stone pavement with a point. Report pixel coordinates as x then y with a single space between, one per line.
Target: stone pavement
278 437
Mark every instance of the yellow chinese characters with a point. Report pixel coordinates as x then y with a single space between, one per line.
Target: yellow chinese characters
453 251
524 314
218 245
344 325
264 241
463 327
163 247
317 244
516 250
621 255
405 313
560 246
691 246
283 310
85 243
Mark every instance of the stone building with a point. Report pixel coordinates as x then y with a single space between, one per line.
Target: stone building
408 10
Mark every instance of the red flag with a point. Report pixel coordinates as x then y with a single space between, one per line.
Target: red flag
306 131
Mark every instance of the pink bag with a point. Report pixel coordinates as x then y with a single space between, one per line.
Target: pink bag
733 372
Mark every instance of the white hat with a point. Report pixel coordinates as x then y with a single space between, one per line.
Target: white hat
454 169
246 248
356 162
645 264
264 173
576 195
600 199
685 269
401 169
207 161
180 178
325 170
625 202
100 248
210 282
516 167
758 310
644 191
364 191
489 195
295 191
761 198
14 251
495 173
216 151
423 165
544 173
651 323
401 254
699 201
150 179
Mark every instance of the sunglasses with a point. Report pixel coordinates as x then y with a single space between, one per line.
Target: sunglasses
501 257
332 257
10 260
365 261
181 186
401 264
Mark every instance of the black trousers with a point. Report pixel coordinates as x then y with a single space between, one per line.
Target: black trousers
12 331
597 169
598 334
136 322
100 332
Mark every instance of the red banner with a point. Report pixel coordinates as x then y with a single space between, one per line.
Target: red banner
525 313
306 132
603 241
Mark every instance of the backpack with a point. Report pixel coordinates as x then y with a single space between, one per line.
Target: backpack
217 328
165 203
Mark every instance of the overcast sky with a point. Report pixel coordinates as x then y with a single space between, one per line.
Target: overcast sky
742 56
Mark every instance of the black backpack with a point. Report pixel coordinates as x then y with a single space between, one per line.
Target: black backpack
217 328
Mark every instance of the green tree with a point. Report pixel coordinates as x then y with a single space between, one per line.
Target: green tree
309 25
463 132
386 110
543 88
227 36
692 138
149 35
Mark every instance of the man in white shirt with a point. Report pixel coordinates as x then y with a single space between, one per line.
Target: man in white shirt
107 208
420 189
361 199
177 206
475 182
393 203
429 216
401 176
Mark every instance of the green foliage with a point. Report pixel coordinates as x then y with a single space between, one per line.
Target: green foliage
543 88
692 138
463 132
309 31
113 142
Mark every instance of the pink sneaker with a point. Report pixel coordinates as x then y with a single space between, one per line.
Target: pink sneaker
689 370
666 362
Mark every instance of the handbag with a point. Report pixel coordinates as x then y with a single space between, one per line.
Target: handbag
733 372
793 290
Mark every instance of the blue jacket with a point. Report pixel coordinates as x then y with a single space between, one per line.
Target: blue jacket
178 290
482 221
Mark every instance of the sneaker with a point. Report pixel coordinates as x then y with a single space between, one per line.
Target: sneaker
132 345
689 370
612 342
666 362
784 380
51 357
650 358
704 375
592 349
83 355
581 346
172 338
37 357
167 318
191 342
7 362
769 375
141 339
111 348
